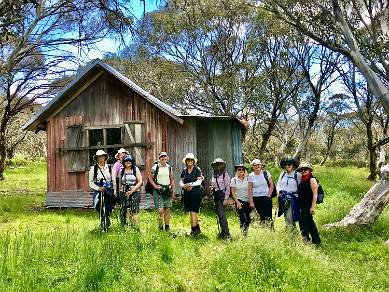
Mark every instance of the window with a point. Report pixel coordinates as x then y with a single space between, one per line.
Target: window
76 155
108 139
83 142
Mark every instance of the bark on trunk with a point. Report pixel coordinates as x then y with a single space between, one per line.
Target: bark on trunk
372 152
2 156
376 86
371 206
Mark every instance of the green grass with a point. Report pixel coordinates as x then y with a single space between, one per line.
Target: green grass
63 250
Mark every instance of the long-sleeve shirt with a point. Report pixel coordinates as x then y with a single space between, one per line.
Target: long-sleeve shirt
195 178
223 184
107 175
116 170
287 182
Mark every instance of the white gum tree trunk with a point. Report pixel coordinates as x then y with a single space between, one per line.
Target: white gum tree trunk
371 206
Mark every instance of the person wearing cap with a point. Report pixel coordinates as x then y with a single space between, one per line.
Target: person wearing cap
260 190
220 185
162 180
118 166
240 194
190 181
129 182
307 196
100 179
287 192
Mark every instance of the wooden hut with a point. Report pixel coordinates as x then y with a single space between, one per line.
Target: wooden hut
102 109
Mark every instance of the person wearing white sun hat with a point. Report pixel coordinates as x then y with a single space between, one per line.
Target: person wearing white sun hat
260 190
190 181
100 181
118 166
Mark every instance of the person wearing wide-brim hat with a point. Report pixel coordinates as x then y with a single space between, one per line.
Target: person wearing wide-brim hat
100 181
220 185
260 191
239 191
162 179
287 192
190 181
307 197
118 166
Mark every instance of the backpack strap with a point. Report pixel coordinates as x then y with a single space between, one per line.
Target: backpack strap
95 172
156 173
295 177
283 174
266 177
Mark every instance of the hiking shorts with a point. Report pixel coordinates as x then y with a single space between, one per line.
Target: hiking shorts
162 199
192 200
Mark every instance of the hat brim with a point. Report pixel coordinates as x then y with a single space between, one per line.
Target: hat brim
218 162
304 166
95 157
293 162
237 166
186 158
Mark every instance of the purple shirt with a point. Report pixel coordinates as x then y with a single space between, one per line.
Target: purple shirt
224 184
117 168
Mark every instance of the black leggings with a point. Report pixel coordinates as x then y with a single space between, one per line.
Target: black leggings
244 215
264 206
307 225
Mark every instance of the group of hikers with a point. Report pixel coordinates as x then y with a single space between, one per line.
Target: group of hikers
296 189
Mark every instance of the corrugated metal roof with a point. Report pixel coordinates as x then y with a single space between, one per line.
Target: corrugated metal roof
40 117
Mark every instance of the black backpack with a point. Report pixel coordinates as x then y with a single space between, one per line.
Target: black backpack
320 193
274 193
149 187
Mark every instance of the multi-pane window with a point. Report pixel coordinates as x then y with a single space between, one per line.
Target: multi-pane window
83 142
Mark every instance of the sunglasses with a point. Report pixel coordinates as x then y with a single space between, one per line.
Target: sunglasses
240 169
304 169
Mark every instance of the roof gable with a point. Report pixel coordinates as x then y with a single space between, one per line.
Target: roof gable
88 72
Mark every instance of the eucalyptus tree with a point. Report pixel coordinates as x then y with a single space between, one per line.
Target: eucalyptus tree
368 111
39 42
213 41
334 113
165 79
318 66
357 29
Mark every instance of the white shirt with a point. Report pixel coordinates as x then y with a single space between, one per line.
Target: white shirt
286 182
242 188
260 187
106 173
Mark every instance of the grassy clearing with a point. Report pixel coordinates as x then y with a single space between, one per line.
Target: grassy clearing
63 250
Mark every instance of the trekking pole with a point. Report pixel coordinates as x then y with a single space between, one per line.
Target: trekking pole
103 223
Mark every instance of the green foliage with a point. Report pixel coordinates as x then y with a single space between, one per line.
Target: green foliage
63 250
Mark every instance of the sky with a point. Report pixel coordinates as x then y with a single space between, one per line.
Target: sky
109 44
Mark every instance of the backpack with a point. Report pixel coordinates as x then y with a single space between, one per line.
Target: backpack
320 193
95 168
274 193
295 176
149 187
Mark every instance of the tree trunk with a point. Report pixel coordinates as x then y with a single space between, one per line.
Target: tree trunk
2 156
372 152
10 153
376 86
266 136
372 164
371 206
